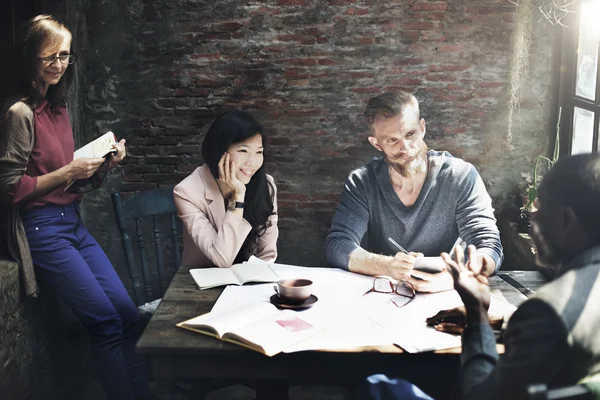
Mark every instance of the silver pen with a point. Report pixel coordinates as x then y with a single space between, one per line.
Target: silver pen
402 249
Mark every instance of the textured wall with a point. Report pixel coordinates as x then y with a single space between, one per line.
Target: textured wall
157 73
43 350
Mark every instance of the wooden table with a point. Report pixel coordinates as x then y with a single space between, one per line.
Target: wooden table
177 354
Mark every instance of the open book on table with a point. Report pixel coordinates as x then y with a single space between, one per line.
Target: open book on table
260 327
238 274
98 148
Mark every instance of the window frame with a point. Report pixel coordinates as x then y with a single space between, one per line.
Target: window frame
568 100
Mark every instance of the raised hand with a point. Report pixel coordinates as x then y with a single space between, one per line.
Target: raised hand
470 284
229 184
83 168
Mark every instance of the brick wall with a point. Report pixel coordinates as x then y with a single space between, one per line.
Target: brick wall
157 73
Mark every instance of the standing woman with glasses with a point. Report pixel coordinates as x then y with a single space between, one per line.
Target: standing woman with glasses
42 227
228 205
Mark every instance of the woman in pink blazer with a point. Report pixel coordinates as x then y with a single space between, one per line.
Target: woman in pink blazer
228 205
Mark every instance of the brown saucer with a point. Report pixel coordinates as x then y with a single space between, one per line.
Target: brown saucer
312 299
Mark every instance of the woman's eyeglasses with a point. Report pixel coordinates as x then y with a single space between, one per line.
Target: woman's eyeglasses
63 58
403 291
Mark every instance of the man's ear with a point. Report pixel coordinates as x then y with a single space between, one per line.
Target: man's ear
423 126
374 142
569 222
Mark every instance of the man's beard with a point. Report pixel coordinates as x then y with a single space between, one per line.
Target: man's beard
546 256
414 166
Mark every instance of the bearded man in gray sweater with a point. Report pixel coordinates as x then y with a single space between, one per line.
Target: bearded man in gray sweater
423 199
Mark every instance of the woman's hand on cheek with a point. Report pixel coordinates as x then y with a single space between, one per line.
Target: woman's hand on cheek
229 184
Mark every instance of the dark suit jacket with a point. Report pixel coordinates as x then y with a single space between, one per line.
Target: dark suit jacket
552 338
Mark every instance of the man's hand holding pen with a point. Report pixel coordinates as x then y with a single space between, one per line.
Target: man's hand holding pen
404 262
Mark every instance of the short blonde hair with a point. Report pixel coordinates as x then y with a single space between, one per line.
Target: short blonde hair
388 105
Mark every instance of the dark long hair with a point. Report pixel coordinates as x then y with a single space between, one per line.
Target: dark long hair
37 33
234 127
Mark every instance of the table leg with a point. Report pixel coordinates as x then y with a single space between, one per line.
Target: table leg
272 390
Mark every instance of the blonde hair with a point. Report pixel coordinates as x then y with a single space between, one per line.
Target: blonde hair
39 33
388 105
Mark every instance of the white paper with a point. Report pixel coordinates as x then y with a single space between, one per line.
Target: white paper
235 317
238 274
97 148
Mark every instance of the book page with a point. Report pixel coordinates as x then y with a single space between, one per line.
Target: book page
97 148
276 332
232 318
207 278
254 272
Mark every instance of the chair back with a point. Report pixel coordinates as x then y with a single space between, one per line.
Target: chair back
138 210
575 392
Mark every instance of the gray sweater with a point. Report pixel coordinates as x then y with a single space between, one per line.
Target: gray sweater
453 202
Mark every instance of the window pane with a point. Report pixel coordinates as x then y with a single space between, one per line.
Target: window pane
587 59
583 131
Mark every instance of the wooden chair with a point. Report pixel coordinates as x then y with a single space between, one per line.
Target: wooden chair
138 210
155 206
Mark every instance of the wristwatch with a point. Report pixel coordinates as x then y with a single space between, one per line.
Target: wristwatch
233 204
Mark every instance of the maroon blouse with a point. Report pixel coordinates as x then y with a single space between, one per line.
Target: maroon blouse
53 149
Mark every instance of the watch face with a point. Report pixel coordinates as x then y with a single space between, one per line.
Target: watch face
231 204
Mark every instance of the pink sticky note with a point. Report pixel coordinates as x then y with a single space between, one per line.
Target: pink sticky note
295 324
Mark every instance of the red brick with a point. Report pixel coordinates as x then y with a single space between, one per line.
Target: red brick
406 81
293 196
274 49
266 10
326 61
293 2
429 7
295 74
362 74
449 68
408 61
366 40
208 56
418 25
366 90
440 78
303 113
317 205
210 82
330 197
357 11
492 84
450 48
230 26
285 206
301 61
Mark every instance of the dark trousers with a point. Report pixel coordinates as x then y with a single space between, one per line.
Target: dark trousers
67 256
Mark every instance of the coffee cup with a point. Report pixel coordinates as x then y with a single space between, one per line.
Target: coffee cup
293 291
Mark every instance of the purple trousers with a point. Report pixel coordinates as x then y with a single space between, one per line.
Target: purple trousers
67 257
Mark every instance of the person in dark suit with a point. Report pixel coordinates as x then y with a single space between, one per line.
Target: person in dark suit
551 338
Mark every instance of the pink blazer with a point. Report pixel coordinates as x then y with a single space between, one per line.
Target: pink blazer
211 234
